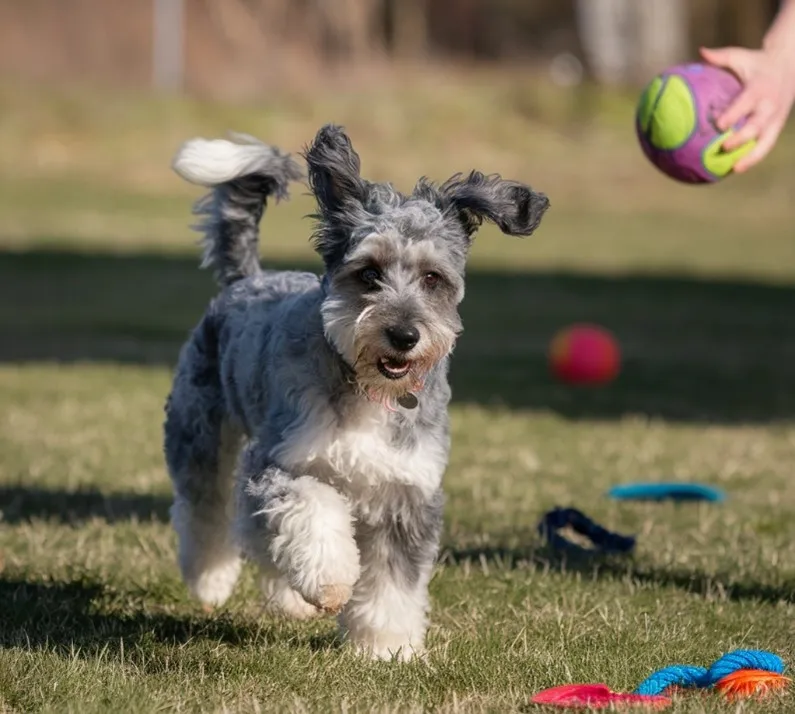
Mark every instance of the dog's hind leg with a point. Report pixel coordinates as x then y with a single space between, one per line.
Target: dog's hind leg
201 452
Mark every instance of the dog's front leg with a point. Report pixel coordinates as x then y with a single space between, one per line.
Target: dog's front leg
303 527
387 617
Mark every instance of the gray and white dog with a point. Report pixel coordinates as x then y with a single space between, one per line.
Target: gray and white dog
307 427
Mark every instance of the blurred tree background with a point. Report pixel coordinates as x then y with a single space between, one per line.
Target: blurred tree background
238 48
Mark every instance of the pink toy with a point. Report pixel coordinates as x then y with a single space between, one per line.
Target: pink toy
596 696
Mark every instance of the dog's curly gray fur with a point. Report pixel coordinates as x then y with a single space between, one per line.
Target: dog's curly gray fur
307 426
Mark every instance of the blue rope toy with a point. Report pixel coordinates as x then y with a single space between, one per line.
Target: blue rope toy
691 677
602 539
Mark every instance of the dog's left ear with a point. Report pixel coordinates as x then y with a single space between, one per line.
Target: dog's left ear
513 206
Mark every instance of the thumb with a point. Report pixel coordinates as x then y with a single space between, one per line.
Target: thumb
733 58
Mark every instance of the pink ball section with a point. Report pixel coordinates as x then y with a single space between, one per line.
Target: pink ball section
713 90
584 355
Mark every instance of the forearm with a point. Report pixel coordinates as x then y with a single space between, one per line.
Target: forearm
780 38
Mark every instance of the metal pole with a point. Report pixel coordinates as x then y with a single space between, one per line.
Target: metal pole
168 44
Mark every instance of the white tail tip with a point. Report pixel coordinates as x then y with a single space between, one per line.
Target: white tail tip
210 162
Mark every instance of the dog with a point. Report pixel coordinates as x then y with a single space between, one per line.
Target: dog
307 425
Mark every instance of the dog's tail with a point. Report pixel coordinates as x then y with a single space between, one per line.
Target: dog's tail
242 174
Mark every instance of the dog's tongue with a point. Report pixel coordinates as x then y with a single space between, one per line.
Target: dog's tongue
395 367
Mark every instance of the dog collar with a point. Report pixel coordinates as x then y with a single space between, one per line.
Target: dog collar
347 369
408 401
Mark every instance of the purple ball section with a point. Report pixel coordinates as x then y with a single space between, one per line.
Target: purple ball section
713 90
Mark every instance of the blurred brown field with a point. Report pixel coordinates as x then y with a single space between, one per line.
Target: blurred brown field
99 162
237 48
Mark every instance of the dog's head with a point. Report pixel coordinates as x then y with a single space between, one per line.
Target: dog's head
395 264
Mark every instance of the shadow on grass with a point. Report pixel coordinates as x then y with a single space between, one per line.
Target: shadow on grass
82 615
20 503
695 350
596 566
86 619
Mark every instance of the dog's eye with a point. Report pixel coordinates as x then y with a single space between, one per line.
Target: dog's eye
431 279
369 276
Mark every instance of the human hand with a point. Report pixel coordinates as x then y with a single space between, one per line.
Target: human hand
767 97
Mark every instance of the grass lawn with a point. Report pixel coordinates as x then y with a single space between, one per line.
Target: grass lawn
99 284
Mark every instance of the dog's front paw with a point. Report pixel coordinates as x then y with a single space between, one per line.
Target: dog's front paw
283 601
326 592
313 545
389 646
333 598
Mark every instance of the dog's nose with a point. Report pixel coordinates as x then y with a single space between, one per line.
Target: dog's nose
403 337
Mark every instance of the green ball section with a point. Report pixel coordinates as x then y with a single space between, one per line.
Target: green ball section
647 101
719 162
667 112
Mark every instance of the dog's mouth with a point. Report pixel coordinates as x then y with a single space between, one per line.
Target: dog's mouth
394 367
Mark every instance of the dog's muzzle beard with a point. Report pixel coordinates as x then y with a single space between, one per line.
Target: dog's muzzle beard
377 370
385 376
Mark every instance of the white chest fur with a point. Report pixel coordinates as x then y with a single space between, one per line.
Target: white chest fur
359 457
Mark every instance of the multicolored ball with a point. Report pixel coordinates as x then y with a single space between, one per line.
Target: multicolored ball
676 123
584 355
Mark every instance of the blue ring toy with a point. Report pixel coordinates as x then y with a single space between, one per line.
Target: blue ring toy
666 491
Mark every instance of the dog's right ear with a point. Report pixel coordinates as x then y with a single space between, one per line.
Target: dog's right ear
334 177
334 169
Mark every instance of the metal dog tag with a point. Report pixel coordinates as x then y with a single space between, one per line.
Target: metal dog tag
408 401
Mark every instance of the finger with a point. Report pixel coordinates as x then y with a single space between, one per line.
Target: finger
738 109
763 147
733 58
756 125
750 131
716 56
